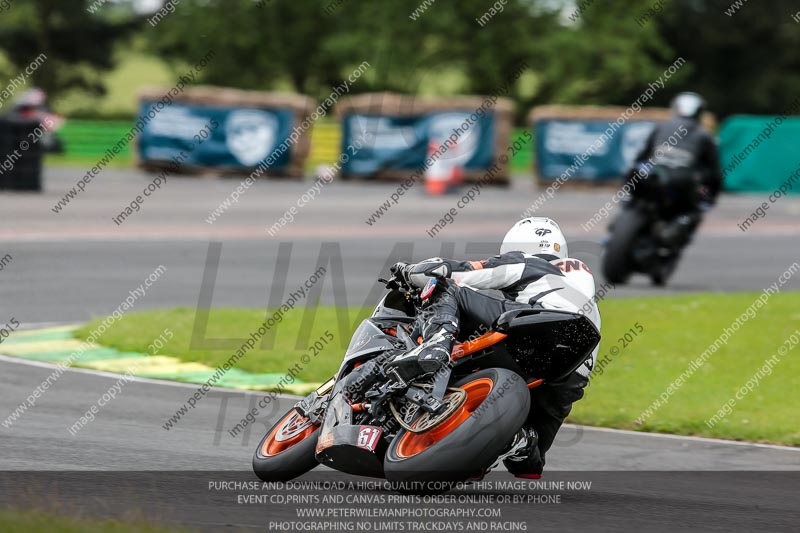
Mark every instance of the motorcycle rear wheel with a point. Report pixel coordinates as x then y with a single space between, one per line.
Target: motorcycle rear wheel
663 270
470 439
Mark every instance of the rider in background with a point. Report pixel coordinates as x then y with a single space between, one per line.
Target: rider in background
532 270
32 105
684 148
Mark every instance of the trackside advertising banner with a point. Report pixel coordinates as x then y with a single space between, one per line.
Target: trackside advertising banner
561 143
759 153
237 138
402 143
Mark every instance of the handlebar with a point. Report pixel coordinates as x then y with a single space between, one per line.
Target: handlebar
397 282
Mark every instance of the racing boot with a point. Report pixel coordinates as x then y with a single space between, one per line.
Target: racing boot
524 445
523 459
427 358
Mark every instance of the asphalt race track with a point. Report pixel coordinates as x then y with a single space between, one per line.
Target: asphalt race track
77 264
74 265
647 482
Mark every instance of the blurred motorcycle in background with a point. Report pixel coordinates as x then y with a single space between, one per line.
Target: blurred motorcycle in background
655 225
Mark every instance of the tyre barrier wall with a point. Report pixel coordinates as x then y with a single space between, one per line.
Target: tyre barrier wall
757 152
395 134
214 129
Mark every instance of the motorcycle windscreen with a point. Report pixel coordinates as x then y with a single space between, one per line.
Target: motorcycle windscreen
393 305
366 339
549 345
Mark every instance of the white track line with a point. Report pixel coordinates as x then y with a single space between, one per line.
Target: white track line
40 364
707 440
27 326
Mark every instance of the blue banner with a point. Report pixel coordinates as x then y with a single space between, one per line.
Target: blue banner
562 143
214 136
402 143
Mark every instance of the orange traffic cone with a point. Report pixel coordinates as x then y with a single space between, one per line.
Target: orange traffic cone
442 174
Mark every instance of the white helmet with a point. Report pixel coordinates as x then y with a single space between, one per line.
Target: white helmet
688 105
535 235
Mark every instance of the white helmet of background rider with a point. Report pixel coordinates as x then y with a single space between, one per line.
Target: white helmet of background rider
535 235
688 105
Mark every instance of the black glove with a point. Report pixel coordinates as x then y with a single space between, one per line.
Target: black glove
418 274
400 271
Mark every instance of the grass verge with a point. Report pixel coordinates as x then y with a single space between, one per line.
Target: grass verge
671 332
13 521
134 332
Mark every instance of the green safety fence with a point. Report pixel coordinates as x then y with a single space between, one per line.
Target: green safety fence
86 141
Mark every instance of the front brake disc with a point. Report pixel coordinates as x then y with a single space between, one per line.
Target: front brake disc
453 400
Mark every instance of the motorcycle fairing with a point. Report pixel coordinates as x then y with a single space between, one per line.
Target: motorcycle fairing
548 344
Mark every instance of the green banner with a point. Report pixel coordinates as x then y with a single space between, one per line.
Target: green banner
759 153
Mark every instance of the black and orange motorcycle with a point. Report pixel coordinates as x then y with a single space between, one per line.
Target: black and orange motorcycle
450 425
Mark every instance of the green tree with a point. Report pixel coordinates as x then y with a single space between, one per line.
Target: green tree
258 44
77 45
746 62
600 55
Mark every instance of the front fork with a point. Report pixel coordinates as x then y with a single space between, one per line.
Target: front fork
313 406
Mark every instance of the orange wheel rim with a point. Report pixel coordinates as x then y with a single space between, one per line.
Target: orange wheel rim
412 444
291 430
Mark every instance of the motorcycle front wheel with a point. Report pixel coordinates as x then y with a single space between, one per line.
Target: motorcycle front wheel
494 408
287 450
617 260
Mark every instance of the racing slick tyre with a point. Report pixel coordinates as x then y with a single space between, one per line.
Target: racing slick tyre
617 262
663 270
493 409
287 450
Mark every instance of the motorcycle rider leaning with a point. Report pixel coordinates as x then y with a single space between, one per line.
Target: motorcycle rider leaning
685 149
532 270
